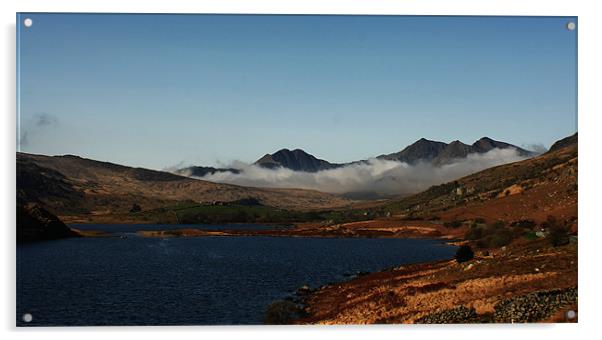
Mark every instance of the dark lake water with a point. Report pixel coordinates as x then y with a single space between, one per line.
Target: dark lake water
190 281
132 228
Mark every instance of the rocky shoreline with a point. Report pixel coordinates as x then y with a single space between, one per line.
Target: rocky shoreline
530 282
533 307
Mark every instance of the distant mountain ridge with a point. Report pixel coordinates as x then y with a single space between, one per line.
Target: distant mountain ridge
297 160
441 153
423 150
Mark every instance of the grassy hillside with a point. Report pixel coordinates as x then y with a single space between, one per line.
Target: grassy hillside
78 189
194 213
534 188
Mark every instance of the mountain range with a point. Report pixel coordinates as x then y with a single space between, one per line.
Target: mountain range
423 150
441 153
84 190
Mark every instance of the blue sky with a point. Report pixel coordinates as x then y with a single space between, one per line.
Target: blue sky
160 90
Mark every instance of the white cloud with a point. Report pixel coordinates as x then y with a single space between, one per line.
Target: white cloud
375 175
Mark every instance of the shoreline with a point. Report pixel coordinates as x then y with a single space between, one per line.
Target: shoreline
365 229
522 283
526 281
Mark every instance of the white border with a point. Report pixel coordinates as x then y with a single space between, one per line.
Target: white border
589 192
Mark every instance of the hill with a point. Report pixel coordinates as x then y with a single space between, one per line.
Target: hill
535 188
76 188
568 141
521 220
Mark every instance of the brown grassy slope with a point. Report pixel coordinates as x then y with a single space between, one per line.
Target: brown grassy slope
70 185
531 189
408 293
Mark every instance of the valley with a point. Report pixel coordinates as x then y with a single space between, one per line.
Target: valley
519 219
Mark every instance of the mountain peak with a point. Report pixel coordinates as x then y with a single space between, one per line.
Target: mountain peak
422 149
453 150
486 144
297 160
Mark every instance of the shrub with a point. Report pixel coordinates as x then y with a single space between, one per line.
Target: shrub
501 237
498 224
530 235
482 243
558 235
550 222
529 224
282 313
474 233
464 254
453 224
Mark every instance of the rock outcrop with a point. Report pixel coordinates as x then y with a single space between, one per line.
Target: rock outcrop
35 223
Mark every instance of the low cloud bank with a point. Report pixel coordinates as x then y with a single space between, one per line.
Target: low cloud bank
378 176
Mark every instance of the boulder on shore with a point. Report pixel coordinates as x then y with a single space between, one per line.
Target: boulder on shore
35 223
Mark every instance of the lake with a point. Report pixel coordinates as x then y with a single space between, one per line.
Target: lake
190 281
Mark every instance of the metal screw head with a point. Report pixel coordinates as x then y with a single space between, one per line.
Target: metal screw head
571 26
27 317
28 22
571 314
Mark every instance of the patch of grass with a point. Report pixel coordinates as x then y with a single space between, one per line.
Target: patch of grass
195 213
530 235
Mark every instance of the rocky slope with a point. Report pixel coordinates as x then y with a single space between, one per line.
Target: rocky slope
34 223
522 283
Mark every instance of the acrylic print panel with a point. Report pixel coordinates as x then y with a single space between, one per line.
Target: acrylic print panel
295 169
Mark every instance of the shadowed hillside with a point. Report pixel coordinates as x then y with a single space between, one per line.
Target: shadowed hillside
78 188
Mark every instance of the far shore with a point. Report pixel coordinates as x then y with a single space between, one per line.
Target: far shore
389 228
